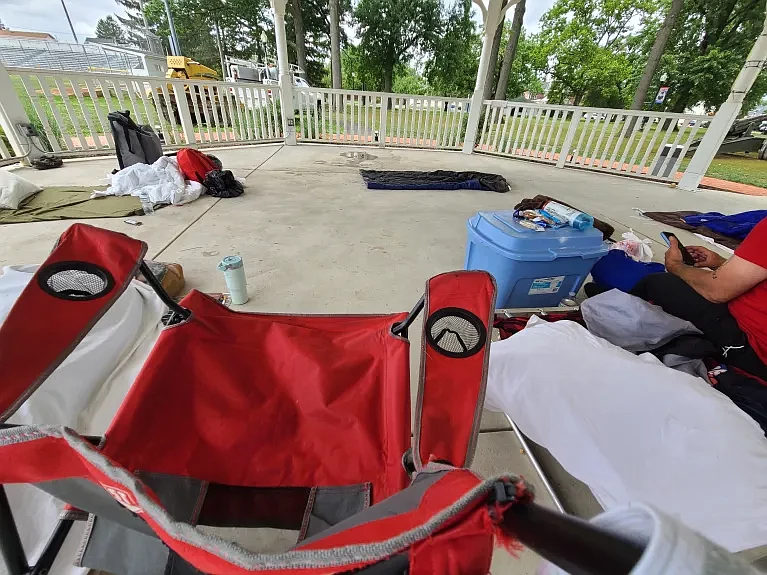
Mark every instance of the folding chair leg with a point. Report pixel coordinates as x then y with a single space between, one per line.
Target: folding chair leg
10 543
178 313
52 548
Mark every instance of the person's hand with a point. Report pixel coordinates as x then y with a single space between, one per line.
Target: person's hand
705 258
673 256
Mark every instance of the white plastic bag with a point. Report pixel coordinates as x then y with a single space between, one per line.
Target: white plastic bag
637 249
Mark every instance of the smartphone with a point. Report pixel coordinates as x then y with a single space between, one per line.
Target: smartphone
686 256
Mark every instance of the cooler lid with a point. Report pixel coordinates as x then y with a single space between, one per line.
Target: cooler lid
503 232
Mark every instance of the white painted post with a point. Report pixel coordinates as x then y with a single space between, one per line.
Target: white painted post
286 80
12 113
492 17
384 120
726 115
182 104
575 121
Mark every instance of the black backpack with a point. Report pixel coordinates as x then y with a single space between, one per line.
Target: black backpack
134 144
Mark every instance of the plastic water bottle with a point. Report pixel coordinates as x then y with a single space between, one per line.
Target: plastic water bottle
146 204
234 274
577 219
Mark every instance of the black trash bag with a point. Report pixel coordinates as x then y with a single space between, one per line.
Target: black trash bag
216 161
222 184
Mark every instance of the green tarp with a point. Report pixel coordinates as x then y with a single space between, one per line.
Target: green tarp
71 203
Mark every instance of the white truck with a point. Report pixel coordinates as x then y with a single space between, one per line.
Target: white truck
247 71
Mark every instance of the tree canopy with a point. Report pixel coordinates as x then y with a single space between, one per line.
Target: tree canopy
110 29
588 45
391 32
452 68
708 48
589 52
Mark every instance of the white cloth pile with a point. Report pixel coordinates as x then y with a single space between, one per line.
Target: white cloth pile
83 393
161 183
633 430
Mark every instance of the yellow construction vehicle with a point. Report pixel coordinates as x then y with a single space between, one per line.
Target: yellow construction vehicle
183 68
186 68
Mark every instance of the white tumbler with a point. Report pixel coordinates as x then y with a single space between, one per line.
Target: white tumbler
234 273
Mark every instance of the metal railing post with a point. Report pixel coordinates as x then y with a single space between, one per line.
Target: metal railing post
185 116
12 113
384 119
567 144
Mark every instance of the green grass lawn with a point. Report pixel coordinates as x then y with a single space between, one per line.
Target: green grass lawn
746 169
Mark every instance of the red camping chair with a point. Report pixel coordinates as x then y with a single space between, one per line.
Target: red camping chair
266 420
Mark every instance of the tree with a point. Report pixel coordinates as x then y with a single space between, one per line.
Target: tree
132 22
298 24
356 76
241 23
588 43
408 81
511 50
108 28
525 74
3 26
452 68
706 51
495 48
335 44
315 42
392 31
658 47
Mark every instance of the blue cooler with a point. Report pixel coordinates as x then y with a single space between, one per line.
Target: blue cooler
531 269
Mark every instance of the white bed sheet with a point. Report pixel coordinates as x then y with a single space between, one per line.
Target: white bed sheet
634 430
83 393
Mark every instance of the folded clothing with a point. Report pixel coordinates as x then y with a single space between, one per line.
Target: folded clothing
734 226
632 323
678 220
436 180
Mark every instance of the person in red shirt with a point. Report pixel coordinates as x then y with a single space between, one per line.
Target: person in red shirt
724 298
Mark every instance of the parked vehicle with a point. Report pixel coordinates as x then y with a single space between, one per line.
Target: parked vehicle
246 71
183 68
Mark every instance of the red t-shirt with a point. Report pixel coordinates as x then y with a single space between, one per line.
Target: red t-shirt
750 309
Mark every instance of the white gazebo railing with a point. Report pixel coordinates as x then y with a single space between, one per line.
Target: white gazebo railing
635 143
68 110
379 119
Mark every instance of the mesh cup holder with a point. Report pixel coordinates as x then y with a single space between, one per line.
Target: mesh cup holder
75 281
455 332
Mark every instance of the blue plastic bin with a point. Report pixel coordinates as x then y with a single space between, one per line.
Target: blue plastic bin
531 269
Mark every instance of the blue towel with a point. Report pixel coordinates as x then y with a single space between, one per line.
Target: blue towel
735 226
618 270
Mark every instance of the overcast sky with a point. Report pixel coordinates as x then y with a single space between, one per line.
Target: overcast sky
48 15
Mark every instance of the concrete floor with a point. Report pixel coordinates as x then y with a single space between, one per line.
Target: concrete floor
315 240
